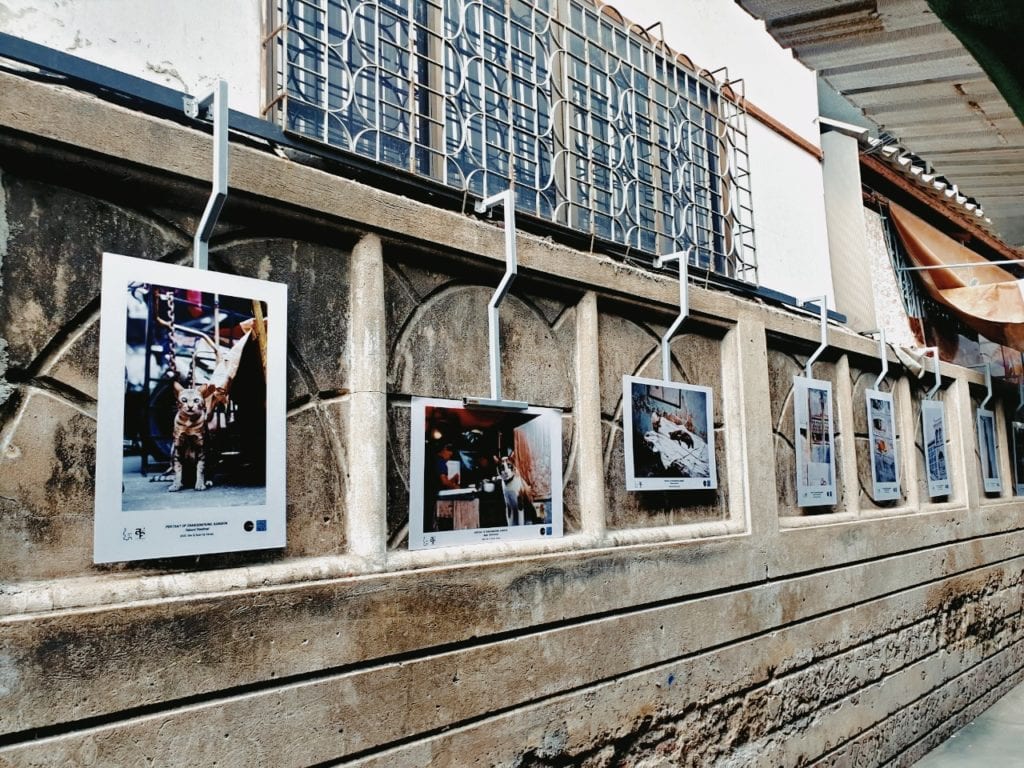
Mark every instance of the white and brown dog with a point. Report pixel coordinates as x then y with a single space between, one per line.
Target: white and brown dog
519 509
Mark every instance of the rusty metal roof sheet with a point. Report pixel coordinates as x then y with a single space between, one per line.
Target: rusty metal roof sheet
895 61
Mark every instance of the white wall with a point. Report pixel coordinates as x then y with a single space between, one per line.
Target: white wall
789 207
184 44
844 216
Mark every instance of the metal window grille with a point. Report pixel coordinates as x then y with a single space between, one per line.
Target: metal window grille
599 129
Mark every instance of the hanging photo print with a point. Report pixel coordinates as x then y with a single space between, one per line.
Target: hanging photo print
986 424
933 431
480 475
190 455
885 482
669 435
815 442
1017 431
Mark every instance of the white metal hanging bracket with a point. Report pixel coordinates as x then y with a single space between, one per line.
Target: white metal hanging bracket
683 257
215 108
883 355
507 201
823 303
988 382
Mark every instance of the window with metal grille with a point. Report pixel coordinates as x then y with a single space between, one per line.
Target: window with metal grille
600 129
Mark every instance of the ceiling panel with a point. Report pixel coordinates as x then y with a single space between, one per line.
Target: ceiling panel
912 77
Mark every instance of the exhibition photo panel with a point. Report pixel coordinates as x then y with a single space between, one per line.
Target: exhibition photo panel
483 474
988 451
885 483
669 435
1017 436
191 416
933 440
815 442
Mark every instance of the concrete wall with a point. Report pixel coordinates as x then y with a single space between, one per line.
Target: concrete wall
729 628
187 45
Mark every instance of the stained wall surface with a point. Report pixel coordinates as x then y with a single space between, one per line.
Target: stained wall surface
729 627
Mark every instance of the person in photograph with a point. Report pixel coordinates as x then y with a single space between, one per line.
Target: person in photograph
438 512
445 478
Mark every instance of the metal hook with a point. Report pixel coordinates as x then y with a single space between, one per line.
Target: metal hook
823 302
988 382
684 305
507 200
938 376
217 105
882 355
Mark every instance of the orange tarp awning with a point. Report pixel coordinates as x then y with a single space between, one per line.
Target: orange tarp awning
985 297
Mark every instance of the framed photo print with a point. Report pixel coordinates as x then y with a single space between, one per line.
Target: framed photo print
190 449
1017 434
669 435
986 425
815 442
885 481
480 475
933 438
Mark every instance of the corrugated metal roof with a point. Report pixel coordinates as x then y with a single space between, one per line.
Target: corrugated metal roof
894 60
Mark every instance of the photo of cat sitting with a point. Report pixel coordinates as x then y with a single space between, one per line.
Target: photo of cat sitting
191 437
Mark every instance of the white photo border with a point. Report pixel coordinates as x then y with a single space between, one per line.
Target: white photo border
820 494
992 481
938 485
667 483
182 531
551 419
882 490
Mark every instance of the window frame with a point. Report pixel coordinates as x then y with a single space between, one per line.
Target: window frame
488 93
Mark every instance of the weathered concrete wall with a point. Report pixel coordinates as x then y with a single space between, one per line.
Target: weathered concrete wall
724 628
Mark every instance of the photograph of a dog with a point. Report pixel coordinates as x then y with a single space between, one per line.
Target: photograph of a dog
483 474
668 435
194 399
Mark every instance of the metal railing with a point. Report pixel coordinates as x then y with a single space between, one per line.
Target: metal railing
597 128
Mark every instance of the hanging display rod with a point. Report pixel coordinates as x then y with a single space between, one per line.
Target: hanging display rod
507 201
215 108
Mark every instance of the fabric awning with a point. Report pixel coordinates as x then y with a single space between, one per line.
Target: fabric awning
986 297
